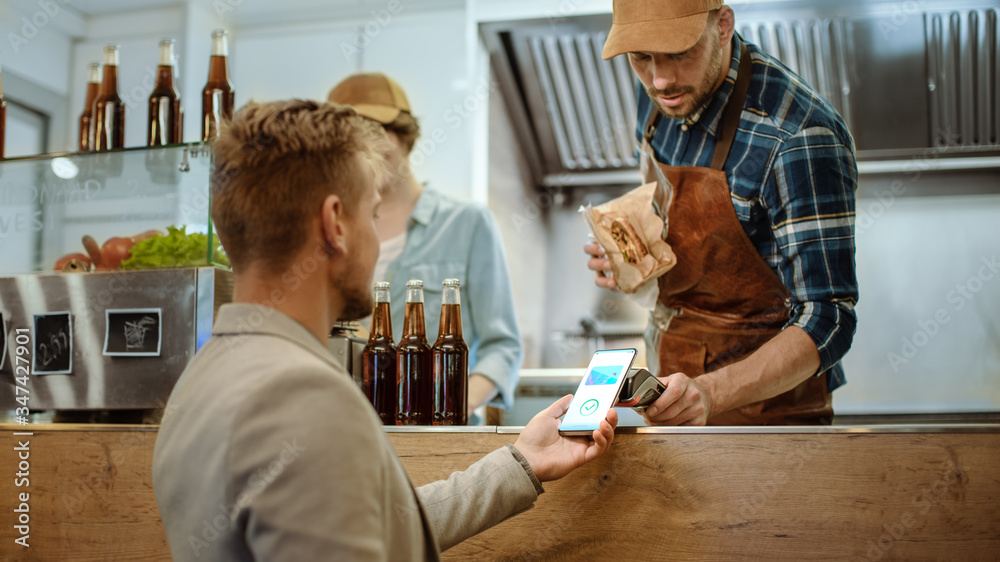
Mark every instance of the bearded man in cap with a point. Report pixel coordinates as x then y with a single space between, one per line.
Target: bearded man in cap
427 235
757 176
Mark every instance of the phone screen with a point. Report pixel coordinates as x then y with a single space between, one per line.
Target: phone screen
598 391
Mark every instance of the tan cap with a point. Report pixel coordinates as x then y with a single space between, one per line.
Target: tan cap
373 95
657 26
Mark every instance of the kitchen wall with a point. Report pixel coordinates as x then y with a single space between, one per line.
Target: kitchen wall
424 51
928 335
36 58
544 235
543 232
523 220
36 45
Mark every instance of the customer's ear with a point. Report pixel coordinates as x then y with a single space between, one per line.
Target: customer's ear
332 225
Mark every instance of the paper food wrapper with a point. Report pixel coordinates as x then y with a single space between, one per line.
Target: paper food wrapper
630 233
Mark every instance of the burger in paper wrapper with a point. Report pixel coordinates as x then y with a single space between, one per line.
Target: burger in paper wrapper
630 232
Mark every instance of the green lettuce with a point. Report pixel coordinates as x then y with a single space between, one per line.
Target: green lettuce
176 249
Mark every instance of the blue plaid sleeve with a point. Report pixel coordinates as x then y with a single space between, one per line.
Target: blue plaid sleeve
810 197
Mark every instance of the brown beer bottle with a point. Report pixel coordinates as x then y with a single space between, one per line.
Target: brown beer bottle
413 361
165 114
3 116
378 359
217 98
109 111
86 140
450 389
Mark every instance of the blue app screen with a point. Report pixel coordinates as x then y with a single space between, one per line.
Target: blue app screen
598 390
603 375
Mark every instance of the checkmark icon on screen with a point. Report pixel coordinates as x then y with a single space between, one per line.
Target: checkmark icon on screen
589 407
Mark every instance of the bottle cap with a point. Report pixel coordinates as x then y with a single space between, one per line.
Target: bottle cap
167 52
414 284
382 285
220 46
111 55
94 72
452 283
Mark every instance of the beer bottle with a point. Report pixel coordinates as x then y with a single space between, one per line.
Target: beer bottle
217 98
450 357
413 361
378 360
86 139
165 116
109 111
3 116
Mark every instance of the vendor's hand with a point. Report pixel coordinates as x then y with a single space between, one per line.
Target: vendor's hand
600 263
551 455
684 402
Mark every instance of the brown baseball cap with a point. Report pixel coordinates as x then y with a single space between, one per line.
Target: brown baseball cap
372 95
657 26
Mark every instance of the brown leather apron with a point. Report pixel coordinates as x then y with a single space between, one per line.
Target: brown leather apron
721 301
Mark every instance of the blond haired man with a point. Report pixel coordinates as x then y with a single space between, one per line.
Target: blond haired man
268 450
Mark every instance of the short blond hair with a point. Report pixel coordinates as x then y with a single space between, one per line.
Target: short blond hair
275 163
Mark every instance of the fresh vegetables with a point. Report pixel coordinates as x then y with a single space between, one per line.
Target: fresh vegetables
176 249
149 250
114 251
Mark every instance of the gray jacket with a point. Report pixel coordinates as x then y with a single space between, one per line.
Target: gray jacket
269 451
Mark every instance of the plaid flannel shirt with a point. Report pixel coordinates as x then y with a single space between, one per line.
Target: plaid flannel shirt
792 180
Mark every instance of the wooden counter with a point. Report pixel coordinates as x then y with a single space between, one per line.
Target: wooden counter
855 493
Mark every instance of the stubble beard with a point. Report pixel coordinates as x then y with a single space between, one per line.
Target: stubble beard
358 303
700 95
357 295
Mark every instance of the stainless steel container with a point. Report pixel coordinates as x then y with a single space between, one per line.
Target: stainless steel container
114 340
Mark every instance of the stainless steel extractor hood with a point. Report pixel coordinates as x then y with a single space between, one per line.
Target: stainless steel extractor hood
911 79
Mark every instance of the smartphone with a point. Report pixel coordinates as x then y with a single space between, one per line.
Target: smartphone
598 391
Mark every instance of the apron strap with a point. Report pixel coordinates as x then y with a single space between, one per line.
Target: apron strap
654 118
734 108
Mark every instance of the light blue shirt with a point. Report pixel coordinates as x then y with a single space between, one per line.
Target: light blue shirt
451 239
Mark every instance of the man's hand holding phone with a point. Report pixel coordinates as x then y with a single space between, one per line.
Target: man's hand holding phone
552 455
577 429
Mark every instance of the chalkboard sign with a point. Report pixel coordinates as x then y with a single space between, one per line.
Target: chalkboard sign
133 332
53 343
3 339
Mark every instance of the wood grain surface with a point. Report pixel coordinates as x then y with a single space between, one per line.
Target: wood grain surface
879 496
91 495
748 497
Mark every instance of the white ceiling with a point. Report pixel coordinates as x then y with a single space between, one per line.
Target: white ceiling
241 13
252 9
103 7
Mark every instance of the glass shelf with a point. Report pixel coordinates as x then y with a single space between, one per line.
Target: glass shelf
49 203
